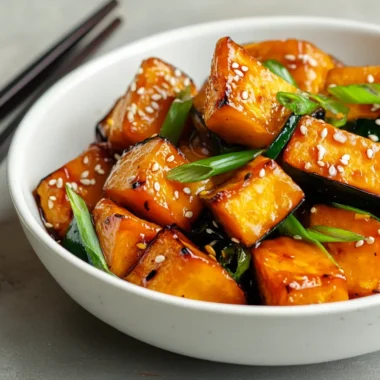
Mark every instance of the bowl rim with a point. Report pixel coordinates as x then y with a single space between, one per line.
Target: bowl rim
14 166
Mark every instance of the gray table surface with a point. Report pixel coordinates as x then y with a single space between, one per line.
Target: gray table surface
43 333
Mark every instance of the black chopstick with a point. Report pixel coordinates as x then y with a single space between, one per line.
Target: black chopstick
75 60
19 84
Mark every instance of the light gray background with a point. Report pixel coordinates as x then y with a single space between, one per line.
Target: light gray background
43 333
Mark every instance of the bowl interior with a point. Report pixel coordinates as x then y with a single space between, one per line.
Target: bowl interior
61 124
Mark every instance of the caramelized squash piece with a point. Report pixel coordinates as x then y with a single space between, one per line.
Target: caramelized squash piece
138 181
122 235
241 104
344 76
336 155
360 264
254 201
306 63
172 264
86 174
145 104
292 272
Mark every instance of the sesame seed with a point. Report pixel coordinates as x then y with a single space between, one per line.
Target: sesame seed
85 181
340 168
140 70
209 231
215 224
59 182
48 225
308 165
324 133
345 158
244 68
292 66
378 231
188 214
377 121
141 246
340 137
155 167
321 164
141 90
50 204
359 243
170 159
176 194
130 117
375 107
321 152
370 240
52 182
74 186
244 95
99 169
175 236
374 138
262 173
332 171
149 109
186 82
156 97
369 153
212 243
53 198
154 105
239 73
85 174
205 151
303 130
297 237
157 186
92 181
332 85
210 250
117 156
68 184
203 193
370 78
172 81
313 210
133 86
177 73
160 259
85 160
235 240
290 57
235 65
186 190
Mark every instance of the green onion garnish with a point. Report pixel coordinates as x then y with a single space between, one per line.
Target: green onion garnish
210 167
357 93
299 104
280 70
325 234
176 117
86 230
355 210
243 261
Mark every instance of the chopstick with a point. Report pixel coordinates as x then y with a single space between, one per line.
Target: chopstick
73 62
19 85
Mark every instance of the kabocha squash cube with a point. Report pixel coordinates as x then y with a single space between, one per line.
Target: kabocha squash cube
344 76
241 104
254 201
138 181
86 175
122 235
361 260
292 272
334 159
145 104
306 63
172 264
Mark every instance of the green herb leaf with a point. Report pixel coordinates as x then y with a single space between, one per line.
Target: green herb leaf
86 230
357 93
209 167
176 117
73 242
355 210
280 70
299 104
326 234
293 228
236 260
243 261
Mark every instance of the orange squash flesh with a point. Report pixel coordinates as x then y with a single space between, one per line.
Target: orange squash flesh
86 174
138 181
360 264
349 159
306 63
172 264
292 272
122 236
139 114
241 105
344 76
258 197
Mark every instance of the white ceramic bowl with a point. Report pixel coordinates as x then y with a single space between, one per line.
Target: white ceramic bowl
61 124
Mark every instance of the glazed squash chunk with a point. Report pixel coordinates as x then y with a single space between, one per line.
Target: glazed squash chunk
329 153
146 103
241 104
122 235
344 76
292 272
138 181
86 175
360 261
198 109
254 201
172 264
306 63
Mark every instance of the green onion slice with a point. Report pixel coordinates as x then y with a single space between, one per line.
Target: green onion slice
326 234
299 104
357 93
355 210
280 70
